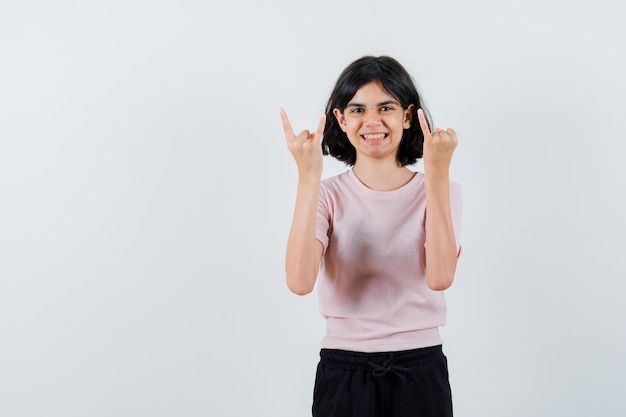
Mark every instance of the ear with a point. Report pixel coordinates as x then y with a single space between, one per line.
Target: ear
408 116
340 119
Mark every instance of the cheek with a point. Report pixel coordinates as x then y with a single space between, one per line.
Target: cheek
352 133
350 124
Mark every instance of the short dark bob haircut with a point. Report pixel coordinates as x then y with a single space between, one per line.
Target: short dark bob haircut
397 82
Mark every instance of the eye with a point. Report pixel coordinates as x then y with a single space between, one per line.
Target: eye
386 109
356 110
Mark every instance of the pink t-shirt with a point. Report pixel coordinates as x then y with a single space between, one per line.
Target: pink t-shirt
372 284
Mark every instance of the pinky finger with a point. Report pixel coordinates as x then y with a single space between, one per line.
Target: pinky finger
320 128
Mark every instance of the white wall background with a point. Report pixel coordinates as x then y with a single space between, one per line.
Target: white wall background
146 194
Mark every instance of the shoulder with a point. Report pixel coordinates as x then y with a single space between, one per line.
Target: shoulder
342 176
336 182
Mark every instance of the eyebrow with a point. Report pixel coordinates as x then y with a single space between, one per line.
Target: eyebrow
382 103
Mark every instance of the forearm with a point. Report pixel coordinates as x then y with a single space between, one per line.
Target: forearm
303 250
441 245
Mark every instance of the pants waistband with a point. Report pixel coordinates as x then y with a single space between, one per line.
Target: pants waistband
355 361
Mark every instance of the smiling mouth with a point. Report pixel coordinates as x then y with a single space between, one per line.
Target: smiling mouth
374 136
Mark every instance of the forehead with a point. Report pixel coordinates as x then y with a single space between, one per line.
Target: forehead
371 94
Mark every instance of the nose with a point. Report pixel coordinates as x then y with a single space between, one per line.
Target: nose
372 118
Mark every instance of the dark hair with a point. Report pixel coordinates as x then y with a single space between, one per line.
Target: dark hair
397 82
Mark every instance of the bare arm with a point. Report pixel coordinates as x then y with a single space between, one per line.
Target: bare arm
304 251
441 245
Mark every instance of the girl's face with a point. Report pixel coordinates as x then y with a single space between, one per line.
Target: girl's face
374 122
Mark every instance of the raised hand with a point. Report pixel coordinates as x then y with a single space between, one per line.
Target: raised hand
305 147
439 145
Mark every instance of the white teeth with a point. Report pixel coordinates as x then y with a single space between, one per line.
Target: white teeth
374 136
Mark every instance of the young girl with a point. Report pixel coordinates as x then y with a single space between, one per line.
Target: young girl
384 241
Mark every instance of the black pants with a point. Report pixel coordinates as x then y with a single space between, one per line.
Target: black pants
410 383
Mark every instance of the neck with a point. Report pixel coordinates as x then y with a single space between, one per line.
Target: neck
381 176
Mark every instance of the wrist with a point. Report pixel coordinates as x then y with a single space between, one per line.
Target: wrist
435 174
309 178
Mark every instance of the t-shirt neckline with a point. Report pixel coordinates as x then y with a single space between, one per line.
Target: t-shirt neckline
369 193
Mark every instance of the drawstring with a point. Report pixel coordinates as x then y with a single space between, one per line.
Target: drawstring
388 366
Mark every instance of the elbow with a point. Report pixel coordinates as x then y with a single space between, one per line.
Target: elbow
440 275
440 281
299 289
299 286
300 279
439 285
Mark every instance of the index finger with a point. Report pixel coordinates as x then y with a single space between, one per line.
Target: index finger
423 122
286 124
